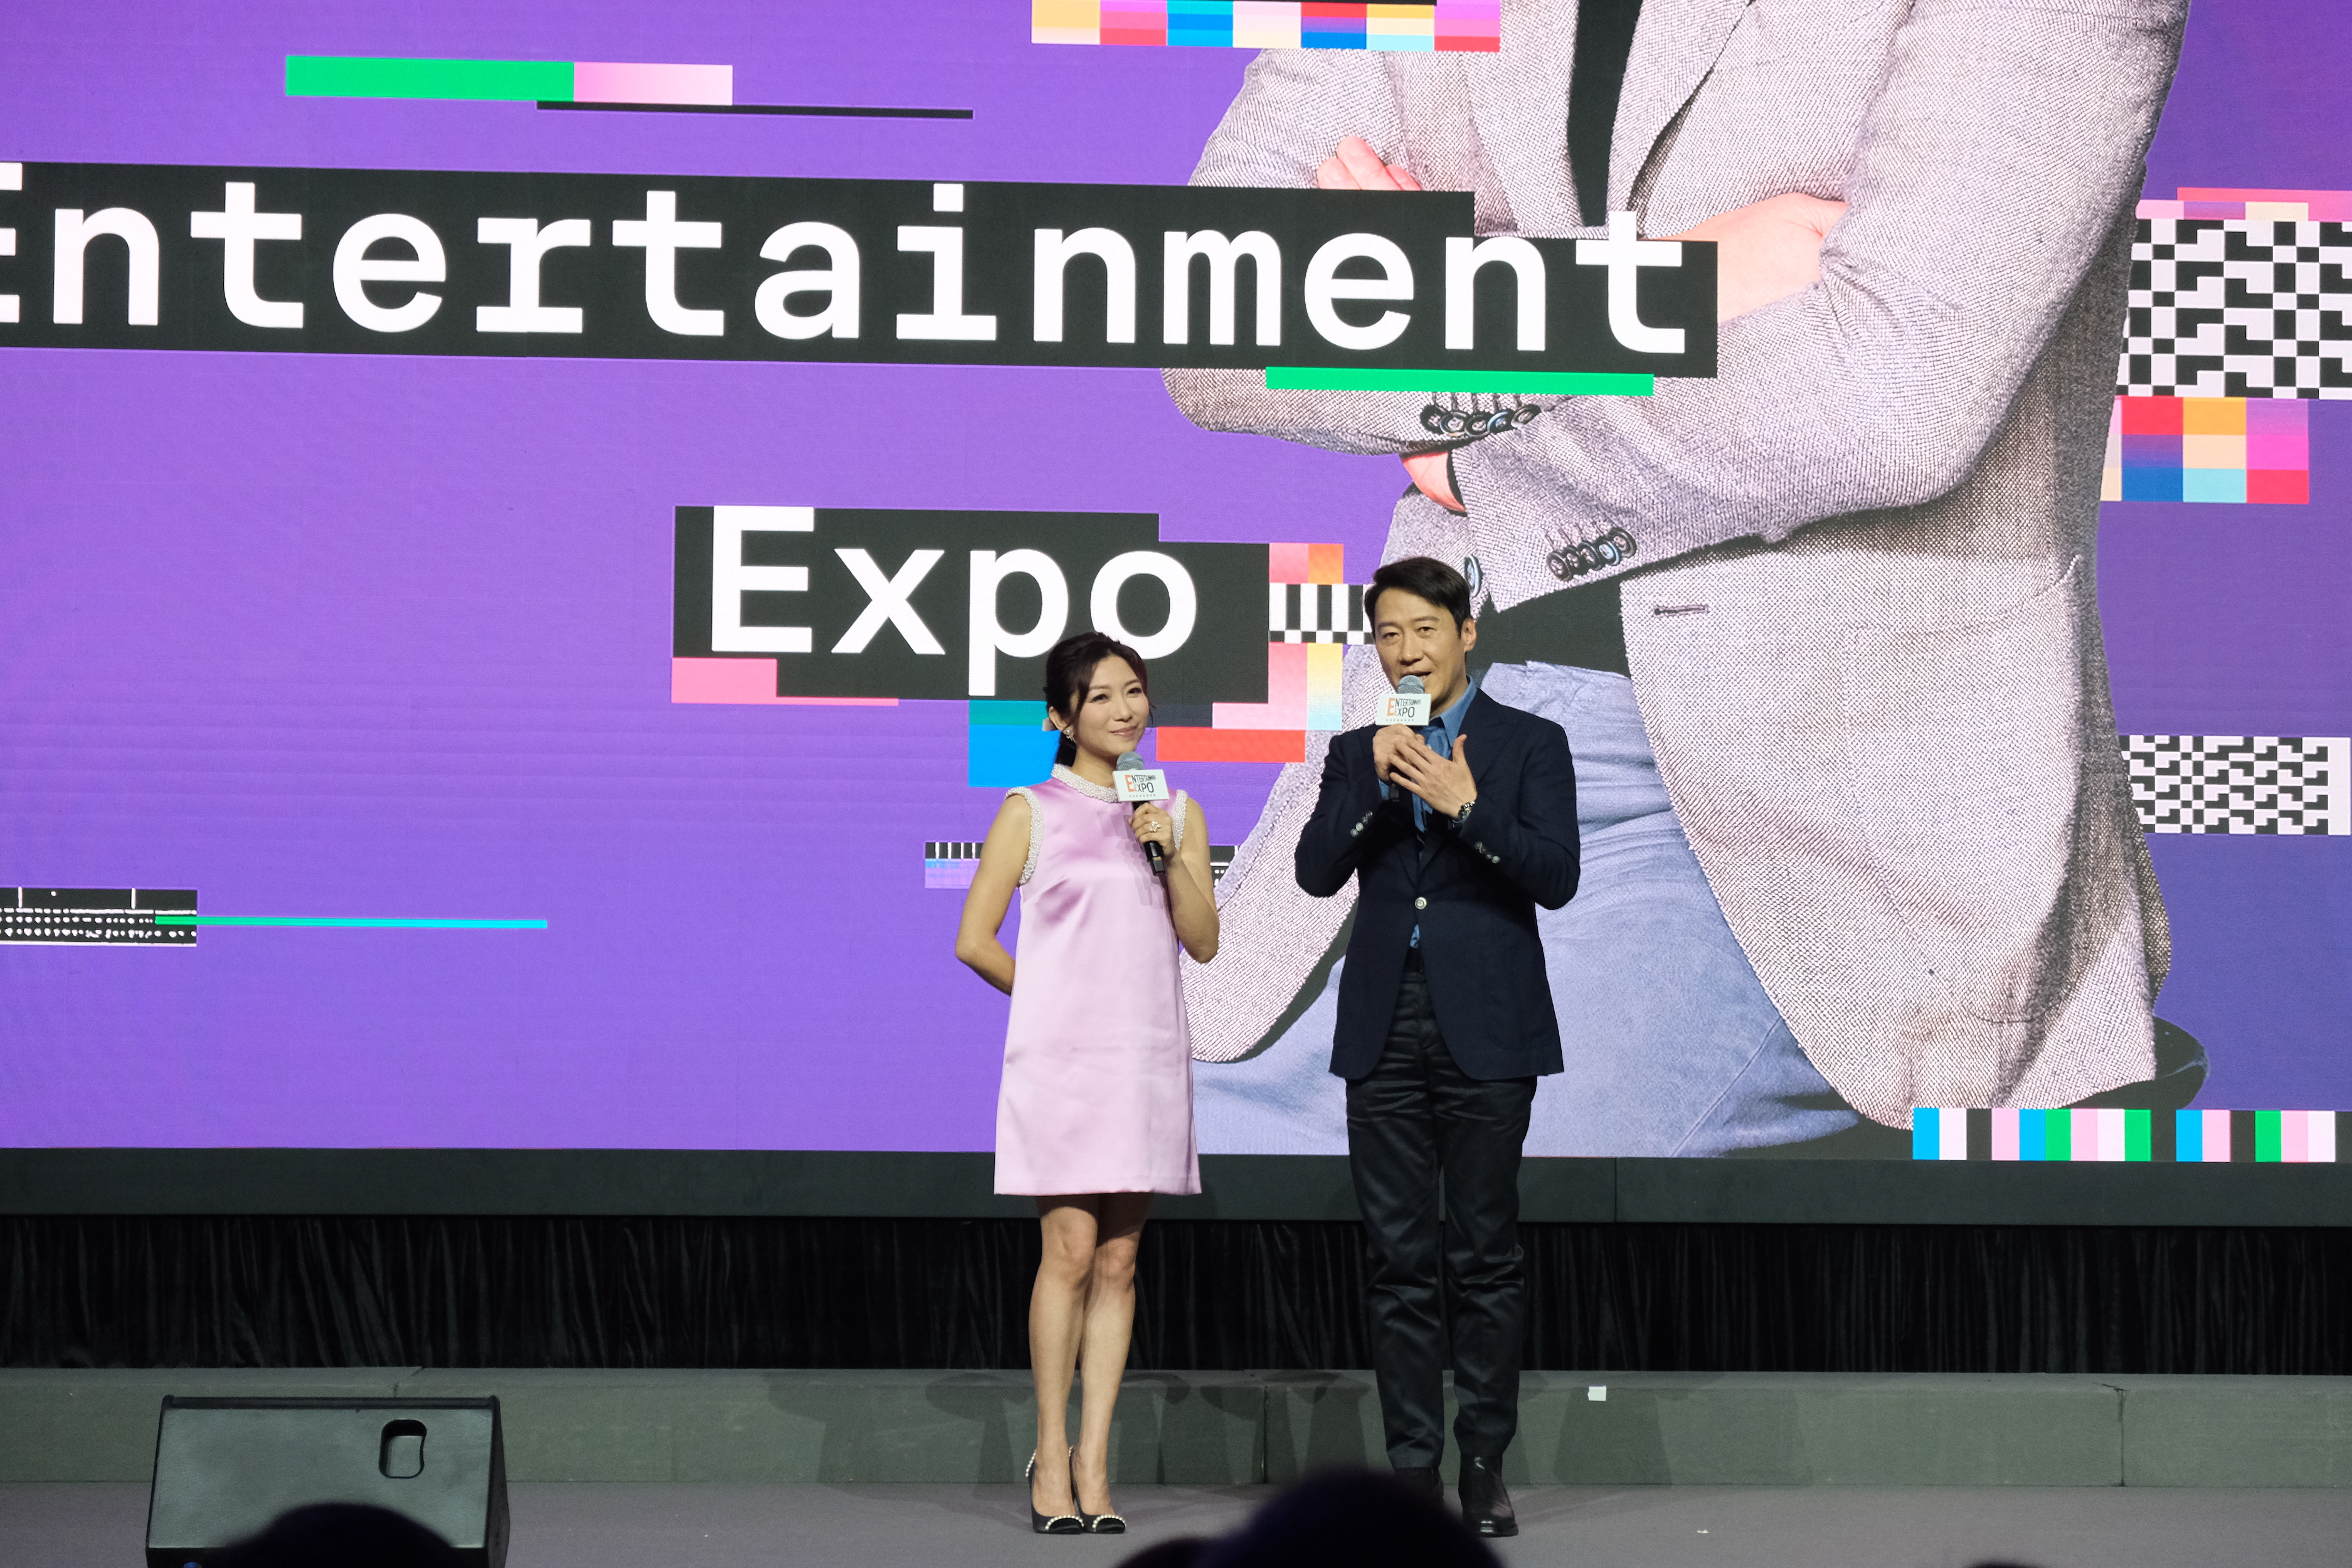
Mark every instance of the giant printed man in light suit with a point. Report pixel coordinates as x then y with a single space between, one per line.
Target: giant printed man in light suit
1824 631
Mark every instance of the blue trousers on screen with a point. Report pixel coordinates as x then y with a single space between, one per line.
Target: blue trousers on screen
1673 1047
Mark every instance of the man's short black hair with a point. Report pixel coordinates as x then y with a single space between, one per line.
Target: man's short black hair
1424 578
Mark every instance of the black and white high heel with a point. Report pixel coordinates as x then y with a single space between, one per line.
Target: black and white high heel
1092 1523
1055 1524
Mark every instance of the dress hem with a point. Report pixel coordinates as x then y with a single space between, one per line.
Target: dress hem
1191 1192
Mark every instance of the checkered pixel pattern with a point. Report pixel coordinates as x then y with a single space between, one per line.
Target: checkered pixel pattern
2238 784
2239 307
1316 613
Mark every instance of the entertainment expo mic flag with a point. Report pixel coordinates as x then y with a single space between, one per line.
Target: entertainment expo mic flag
1139 783
1408 704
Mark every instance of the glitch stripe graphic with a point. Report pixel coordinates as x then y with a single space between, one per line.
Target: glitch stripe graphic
353 922
949 864
160 917
2140 1137
1558 383
100 917
520 81
748 680
1473 26
2232 202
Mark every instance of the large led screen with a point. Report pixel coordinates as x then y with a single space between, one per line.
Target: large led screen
527 534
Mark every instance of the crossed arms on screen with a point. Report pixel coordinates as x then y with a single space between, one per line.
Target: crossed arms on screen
1868 356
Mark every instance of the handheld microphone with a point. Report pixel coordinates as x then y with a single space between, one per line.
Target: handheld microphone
1408 704
1139 783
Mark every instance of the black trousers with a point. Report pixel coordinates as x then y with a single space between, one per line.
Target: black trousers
1415 1120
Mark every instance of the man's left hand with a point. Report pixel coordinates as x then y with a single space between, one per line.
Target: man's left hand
1444 782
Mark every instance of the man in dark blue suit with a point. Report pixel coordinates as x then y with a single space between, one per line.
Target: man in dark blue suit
1456 831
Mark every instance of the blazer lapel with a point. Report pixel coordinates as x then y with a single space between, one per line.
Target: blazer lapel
1486 718
1675 43
1518 100
1488 721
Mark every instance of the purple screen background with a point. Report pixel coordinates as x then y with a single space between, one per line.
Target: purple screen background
390 636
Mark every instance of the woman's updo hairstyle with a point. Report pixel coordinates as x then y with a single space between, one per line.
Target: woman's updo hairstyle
1070 669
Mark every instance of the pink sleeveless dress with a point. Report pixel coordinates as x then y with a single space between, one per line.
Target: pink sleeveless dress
1098 1091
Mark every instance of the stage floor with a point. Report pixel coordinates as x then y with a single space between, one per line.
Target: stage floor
690 1525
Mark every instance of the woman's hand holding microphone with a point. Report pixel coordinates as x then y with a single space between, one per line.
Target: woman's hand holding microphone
1153 826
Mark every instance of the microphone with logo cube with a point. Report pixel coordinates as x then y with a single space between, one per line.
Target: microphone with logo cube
1138 784
1408 704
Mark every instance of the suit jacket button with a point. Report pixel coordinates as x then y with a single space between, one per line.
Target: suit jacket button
1355 830
1421 903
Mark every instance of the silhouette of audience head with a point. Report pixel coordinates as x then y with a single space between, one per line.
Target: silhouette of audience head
340 1535
1353 1517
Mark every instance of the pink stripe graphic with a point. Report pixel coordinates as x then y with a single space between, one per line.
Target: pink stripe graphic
1286 563
2326 206
2083 1129
2217 1137
2005 1134
1287 667
2295 1137
2112 1145
748 680
616 83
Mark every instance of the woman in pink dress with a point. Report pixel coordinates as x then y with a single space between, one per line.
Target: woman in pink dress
1096 1113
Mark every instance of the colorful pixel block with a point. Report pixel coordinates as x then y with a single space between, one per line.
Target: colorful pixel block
1006 744
1302 669
2229 449
950 864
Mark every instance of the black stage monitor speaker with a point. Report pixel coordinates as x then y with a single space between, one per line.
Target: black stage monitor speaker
226 1467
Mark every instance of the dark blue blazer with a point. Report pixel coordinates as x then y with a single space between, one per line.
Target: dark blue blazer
1474 892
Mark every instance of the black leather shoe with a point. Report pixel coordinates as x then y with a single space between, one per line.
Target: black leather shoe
1423 1480
1486 1502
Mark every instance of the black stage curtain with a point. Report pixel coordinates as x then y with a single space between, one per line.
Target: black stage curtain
787 1293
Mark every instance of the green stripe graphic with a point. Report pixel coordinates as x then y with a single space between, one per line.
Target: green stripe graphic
2057 1135
347 920
1012 715
1565 384
2269 1145
359 76
2139 1134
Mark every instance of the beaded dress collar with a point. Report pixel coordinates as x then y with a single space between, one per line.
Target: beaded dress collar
1086 787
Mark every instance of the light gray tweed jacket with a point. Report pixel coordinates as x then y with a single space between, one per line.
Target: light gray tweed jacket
1862 616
